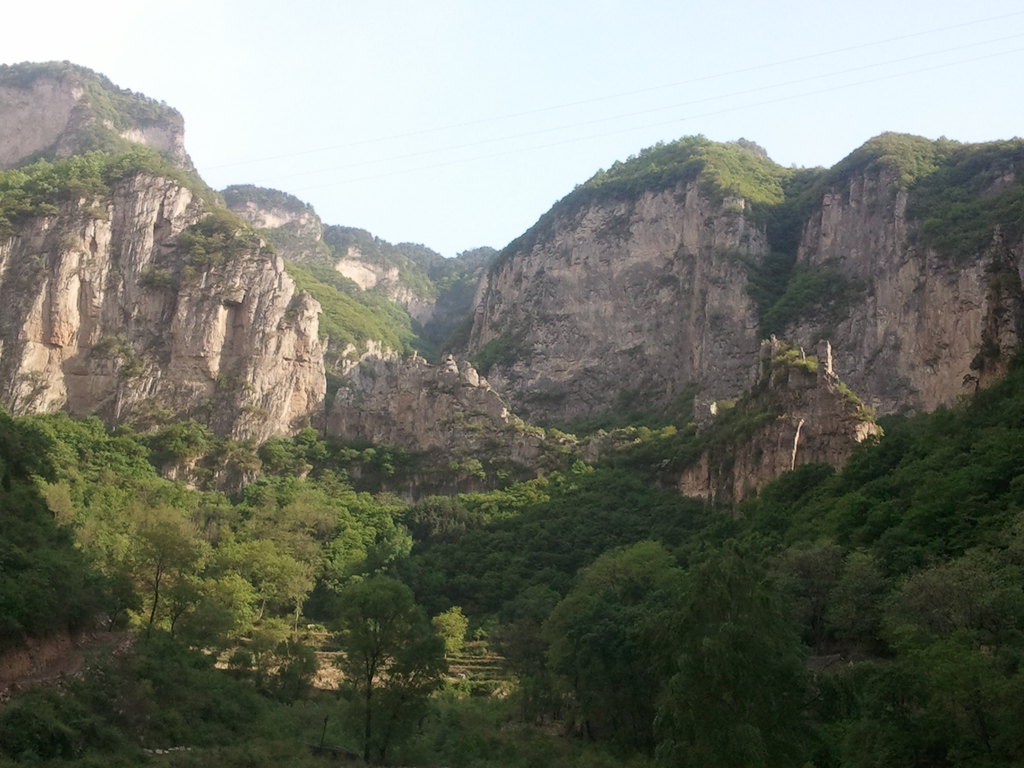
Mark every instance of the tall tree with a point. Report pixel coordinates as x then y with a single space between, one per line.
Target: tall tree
602 641
392 659
736 698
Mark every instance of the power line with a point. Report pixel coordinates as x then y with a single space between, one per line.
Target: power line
612 118
675 121
619 95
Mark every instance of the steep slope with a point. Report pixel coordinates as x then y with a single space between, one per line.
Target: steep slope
633 286
127 292
435 293
798 412
291 225
927 238
658 278
58 109
448 411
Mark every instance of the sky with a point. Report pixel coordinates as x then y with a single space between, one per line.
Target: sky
457 123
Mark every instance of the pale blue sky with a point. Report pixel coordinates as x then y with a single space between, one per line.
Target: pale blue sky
457 123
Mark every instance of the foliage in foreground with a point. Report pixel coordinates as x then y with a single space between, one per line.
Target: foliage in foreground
871 616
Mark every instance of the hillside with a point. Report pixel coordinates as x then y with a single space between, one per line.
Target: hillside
719 464
58 109
433 294
666 270
901 570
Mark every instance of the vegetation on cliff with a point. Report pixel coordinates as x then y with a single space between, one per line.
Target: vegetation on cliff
352 317
263 197
103 114
739 170
960 195
604 593
866 616
39 188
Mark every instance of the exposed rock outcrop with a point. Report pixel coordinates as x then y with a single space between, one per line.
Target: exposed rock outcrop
909 255
296 229
640 297
387 279
102 313
797 413
924 326
447 409
58 109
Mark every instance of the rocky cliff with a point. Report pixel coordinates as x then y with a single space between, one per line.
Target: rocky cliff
798 412
137 302
435 294
448 409
907 254
932 264
643 298
58 110
292 225
639 295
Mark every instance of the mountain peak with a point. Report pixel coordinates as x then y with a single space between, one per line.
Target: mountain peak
58 109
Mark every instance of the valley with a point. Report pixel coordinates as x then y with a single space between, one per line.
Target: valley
604 497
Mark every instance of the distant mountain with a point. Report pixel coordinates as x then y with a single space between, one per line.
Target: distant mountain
59 109
436 293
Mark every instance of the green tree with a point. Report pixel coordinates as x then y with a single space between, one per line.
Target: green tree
392 659
855 604
451 625
736 698
603 641
812 572
169 555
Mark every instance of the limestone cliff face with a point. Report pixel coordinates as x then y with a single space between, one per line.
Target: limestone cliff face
297 230
798 413
920 327
299 235
58 110
642 297
448 409
387 279
100 313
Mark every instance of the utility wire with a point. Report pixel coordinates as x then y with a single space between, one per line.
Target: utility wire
619 95
737 108
613 118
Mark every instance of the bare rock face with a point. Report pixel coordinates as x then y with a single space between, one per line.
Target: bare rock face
100 313
640 298
922 327
449 409
57 110
387 279
297 229
797 413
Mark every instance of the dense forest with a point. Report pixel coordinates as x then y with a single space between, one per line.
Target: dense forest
870 616
170 596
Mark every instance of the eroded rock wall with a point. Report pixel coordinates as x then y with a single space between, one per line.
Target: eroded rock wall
446 409
920 327
57 113
636 300
804 416
99 314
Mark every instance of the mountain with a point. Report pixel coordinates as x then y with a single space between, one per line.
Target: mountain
910 261
662 273
126 293
434 293
127 290
133 292
730 563
59 109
